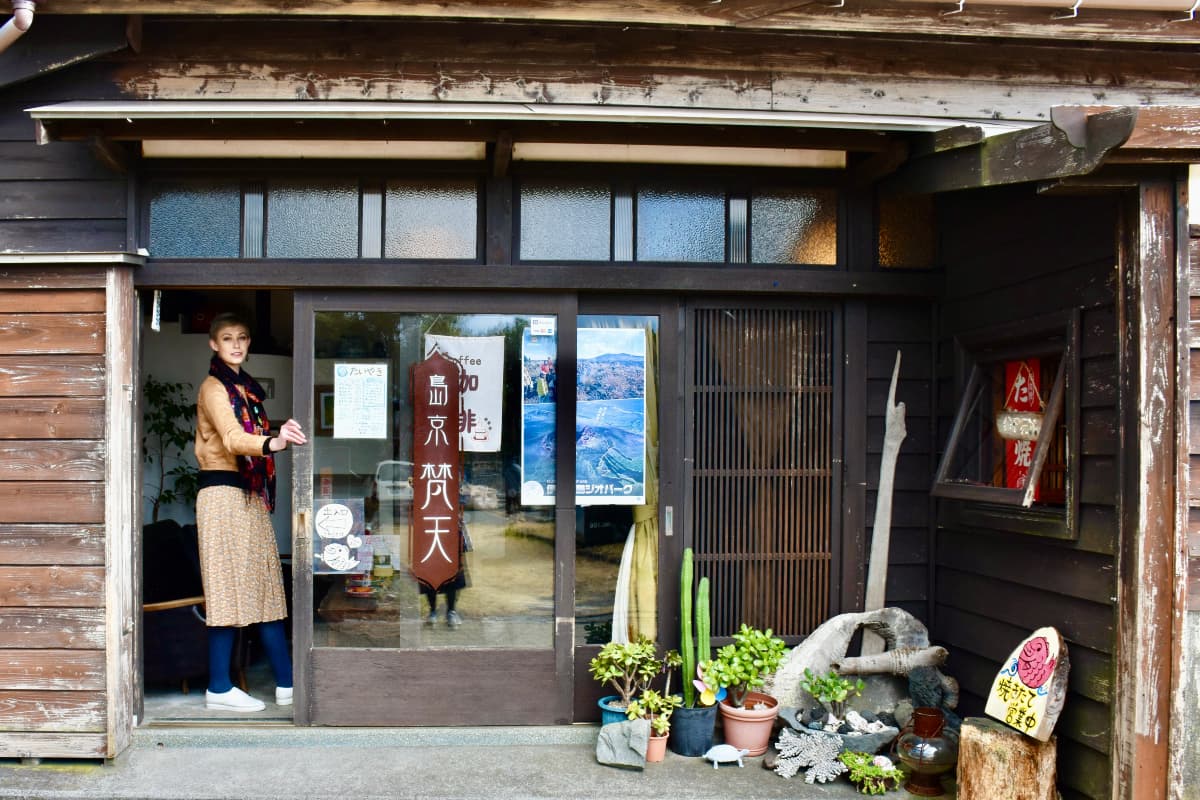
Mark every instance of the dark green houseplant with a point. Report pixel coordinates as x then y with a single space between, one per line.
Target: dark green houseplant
168 429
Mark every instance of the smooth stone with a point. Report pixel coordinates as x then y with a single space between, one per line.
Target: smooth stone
870 742
623 744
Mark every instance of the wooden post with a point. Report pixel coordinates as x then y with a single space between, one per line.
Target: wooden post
881 532
996 762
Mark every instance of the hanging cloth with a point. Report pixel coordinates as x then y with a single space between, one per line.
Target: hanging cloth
643 578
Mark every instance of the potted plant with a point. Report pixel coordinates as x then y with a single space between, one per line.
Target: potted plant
169 427
694 720
628 667
741 667
831 690
656 707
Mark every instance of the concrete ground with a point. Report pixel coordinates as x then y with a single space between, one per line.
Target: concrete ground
284 762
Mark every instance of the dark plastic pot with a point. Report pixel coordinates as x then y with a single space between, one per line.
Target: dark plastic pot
692 730
609 713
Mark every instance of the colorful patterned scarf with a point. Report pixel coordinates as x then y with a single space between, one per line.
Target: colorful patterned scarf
246 397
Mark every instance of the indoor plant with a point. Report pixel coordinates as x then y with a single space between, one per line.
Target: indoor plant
695 719
628 667
656 707
169 428
741 667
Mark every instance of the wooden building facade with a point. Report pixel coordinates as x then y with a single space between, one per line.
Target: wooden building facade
1005 177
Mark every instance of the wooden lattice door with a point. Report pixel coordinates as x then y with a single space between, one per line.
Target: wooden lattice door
764 429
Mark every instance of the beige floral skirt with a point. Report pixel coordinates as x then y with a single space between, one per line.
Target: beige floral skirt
239 559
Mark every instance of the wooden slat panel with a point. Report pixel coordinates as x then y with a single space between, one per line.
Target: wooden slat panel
63 460
51 418
54 745
63 236
67 670
75 628
62 301
1084 770
51 544
1030 562
761 488
78 376
51 501
1081 621
39 711
54 161
35 334
1097 479
61 587
20 276
63 200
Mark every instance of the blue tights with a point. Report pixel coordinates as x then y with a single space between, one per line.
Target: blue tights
220 653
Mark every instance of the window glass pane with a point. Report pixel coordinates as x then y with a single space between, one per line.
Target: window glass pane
616 473
431 219
312 218
794 227
551 209
680 224
907 231
478 520
195 219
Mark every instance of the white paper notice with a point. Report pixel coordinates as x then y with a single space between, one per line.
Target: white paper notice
360 393
482 362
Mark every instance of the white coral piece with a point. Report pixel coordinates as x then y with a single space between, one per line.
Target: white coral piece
813 751
824 772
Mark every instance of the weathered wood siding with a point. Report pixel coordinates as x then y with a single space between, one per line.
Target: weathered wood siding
55 198
53 455
1010 255
1193 595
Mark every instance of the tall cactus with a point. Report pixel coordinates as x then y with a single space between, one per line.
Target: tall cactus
686 645
703 623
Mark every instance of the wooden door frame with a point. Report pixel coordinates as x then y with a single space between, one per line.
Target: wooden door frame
557 667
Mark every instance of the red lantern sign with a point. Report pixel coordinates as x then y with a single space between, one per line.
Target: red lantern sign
434 545
1022 392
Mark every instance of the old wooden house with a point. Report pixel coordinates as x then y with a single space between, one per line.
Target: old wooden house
775 197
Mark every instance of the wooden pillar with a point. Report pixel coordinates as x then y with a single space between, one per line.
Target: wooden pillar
1149 590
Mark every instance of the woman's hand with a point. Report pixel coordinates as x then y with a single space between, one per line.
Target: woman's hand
290 432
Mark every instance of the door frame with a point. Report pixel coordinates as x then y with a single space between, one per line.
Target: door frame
530 686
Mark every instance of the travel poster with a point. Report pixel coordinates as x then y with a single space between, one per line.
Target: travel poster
482 362
340 539
539 393
610 417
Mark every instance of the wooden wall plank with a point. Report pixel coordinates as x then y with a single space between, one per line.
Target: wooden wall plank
51 418
52 586
62 236
51 501
1090 624
68 161
79 376
51 544
43 711
20 277
41 199
75 628
62 301
43 670
53 745
36 334
62 460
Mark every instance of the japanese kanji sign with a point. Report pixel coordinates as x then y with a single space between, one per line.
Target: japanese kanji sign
1029 692
482 362
434 544
1022 393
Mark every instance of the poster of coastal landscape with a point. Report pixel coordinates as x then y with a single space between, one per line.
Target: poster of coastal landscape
610 417
539 391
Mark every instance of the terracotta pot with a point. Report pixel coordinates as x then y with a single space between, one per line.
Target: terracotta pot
656 750
748 728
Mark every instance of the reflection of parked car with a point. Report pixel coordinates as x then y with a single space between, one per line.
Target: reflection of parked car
393 481
478 495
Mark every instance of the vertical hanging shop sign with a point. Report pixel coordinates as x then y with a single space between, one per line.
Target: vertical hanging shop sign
436 396
1022 394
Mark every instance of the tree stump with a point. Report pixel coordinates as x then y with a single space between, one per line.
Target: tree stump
996 762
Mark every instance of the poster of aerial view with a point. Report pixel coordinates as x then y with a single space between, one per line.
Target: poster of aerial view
610 417
539 391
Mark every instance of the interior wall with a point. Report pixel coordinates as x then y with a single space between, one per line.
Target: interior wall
1012 254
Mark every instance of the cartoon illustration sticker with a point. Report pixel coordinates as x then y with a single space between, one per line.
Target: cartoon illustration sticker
334 521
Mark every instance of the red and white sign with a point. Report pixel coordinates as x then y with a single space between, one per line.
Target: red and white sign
1022 393
436 398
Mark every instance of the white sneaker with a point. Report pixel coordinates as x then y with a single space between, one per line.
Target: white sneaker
233 700
432 618
453 620
283 696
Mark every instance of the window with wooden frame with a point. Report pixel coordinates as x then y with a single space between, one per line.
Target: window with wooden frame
1014 440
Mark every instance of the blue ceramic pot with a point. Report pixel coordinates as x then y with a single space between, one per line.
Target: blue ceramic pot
608 712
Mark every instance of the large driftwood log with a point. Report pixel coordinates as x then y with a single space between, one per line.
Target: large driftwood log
881 531
892 662
996 762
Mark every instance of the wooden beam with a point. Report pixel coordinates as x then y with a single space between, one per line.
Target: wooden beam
502 152
1158 127
1035 154
53 44
859 17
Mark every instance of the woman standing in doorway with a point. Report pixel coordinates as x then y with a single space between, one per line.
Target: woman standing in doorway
239 560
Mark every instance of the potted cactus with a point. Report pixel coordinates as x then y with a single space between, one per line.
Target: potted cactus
693 722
